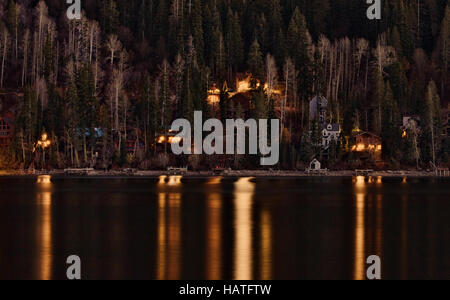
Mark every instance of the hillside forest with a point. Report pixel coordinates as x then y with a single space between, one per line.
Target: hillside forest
103 91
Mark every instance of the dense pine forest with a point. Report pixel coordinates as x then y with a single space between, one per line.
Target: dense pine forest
103 91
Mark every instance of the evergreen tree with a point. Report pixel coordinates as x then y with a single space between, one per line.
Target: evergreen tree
390 125
432 124
234 43
109 16
256 63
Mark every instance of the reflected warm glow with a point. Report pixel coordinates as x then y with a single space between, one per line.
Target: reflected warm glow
360 182
379 180
161 271
44 179
379 226
172 181
405 180
162 179
360 261
44 235
169 236
266 246
243 203
175 180
404 238
214 237
174 236
214 180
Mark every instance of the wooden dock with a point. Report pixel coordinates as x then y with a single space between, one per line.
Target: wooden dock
363 172
85 171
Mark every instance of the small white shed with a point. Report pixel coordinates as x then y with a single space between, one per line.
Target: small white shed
315 165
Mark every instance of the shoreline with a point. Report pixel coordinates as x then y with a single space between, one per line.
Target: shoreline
233 173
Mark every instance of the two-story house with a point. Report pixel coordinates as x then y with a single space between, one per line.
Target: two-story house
330 132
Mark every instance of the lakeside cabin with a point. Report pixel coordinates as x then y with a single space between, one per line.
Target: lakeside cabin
367 145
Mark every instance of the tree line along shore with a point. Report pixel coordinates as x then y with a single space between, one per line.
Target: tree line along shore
101 92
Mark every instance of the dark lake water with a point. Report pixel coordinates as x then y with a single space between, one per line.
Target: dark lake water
187 228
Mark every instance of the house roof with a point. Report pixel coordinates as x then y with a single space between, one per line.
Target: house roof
334 127
368 134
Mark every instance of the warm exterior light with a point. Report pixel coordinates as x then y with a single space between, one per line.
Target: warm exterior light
161 139
404 135
44 142
360 147
244 86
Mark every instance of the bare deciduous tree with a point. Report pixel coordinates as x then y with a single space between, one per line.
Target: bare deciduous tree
113 45
271 75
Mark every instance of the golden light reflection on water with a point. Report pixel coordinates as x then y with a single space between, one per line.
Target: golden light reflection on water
174 180
161 273
174 236
243 226
44 180
169 235
214 236
379 226
360 260
169 180
44 228
364 227
162 180
266 245
214 180
404 238
379 180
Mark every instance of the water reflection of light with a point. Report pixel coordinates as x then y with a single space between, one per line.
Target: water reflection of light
214 236
174 180
161 273
379 226
404 238
44 202
359 263
405 180
360 182
162 179
214 180
44 179
174 236
243 203
379 180
266 246
169 236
